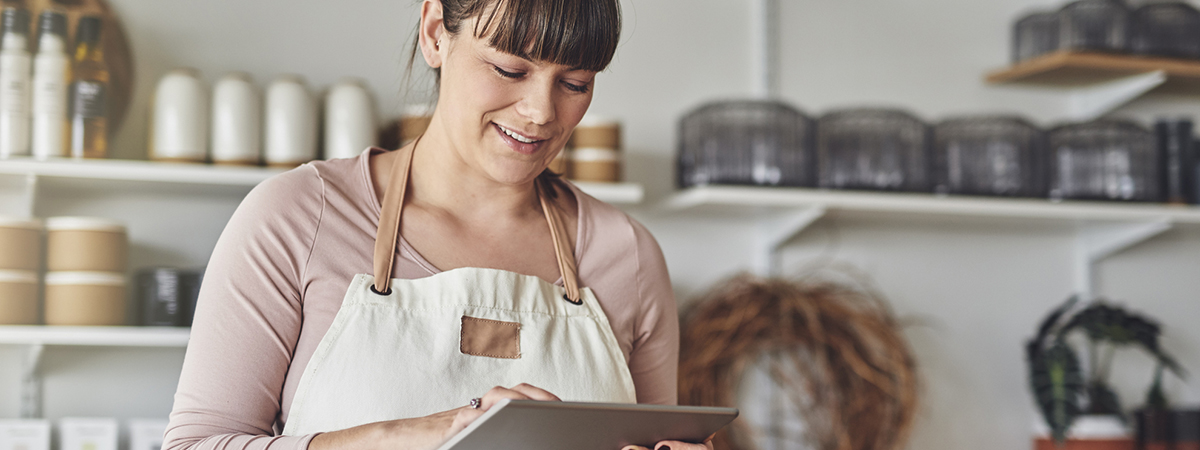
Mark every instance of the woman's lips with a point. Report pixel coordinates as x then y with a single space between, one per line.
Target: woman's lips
517 146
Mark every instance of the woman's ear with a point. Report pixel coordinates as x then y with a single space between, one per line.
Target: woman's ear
432 33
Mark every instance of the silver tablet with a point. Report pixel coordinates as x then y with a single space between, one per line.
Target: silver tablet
527 424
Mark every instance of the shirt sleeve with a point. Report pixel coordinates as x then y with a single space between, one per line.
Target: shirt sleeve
248 320
654 360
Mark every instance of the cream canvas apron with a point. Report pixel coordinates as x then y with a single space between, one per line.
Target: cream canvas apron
432 344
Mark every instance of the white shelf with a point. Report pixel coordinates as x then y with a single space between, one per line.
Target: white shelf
94 336
214 175
737 200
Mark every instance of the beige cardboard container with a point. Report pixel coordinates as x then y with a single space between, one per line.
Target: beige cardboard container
85 298
88 244
20 244
18 297
597 132
600 165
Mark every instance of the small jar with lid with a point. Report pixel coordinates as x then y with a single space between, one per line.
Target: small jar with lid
21 241
596 153
291 128
236 121
89 244
180 119
18 297
85 298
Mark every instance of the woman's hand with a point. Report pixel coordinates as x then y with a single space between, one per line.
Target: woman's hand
422 433
675 445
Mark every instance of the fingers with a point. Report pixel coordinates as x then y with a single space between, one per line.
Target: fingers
536 393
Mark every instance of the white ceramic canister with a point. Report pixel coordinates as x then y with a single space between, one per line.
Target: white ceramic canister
180 118
85 298
18 297
236 121
20 244
350 125
90 244
291 132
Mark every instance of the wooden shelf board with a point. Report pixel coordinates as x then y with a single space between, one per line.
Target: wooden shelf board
1069 68
740 200
94 336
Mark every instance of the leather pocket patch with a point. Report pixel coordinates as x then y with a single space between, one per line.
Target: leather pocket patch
490 338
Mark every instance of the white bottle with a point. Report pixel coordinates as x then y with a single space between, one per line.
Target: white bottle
51 75
180 131
291 123
236 121
14 84
349 120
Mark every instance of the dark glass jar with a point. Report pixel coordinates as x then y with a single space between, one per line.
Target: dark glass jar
1169 29
762 143
1003 156
1104 160
1099 25
874 149
1035 35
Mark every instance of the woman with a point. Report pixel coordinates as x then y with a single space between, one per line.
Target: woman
380 301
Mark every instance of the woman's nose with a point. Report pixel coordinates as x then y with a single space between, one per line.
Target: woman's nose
538 104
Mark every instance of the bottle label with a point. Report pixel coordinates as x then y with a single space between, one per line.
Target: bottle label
14 84
88 99
50 86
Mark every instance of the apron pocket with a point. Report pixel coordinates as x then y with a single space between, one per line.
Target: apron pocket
490 338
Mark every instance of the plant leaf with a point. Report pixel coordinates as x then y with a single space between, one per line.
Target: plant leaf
1057 383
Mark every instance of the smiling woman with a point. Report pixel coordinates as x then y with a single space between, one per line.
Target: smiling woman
389 300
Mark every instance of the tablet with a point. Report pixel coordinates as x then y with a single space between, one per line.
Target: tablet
528 424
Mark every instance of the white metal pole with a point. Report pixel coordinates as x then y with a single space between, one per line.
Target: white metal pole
764 43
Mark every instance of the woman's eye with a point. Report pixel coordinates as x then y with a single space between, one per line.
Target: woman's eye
507 74
580 88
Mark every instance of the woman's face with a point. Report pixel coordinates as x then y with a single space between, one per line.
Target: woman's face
506 116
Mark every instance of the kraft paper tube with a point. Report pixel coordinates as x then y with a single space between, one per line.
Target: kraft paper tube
85 244
21 244
18 297
85 298
596 164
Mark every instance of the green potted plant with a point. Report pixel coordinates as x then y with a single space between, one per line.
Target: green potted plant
1063 392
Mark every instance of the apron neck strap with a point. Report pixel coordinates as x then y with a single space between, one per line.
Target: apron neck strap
387 237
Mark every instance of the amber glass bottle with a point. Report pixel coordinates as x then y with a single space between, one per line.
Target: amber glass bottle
89 93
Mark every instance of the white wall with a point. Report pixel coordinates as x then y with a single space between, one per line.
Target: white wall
976 289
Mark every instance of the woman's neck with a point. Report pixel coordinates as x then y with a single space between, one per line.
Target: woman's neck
442 179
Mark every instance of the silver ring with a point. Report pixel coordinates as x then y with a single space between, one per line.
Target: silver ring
476 403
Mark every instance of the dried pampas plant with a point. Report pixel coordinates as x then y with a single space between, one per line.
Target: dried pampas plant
835 351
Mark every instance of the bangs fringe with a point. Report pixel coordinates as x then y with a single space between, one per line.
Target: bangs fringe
580 34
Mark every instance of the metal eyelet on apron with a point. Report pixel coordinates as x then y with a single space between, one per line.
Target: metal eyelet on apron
402 348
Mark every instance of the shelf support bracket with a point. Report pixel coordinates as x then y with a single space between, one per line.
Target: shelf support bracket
31 382
1095 242
774 233
1091 102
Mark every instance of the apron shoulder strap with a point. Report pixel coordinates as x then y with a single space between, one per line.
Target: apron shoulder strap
562 245
388 235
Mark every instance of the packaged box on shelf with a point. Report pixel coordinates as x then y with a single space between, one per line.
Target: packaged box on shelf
87 434
146 434
24 435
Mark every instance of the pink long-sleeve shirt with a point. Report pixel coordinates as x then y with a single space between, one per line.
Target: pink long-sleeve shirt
282 266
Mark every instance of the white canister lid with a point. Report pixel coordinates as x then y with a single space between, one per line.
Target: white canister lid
84 224
19 222
598 121
85 278
18 276
593 154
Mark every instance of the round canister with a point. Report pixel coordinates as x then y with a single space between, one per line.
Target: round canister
89 244
18 297
349 120
236 121
85 298
20 244
596 165
597 132
180 130
291 134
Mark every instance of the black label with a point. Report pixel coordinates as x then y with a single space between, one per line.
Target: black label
88 99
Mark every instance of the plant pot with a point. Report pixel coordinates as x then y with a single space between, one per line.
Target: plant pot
1091 432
